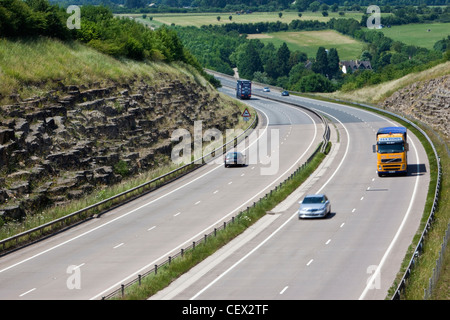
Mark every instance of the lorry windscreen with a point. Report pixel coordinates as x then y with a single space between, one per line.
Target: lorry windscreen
391 148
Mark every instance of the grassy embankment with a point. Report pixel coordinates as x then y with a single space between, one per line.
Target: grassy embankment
32 68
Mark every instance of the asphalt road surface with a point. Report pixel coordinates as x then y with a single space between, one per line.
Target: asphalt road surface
94 258
355 253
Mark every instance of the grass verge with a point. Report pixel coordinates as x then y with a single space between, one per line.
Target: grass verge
426 262
155 281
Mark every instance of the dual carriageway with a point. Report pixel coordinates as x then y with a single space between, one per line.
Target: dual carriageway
372 223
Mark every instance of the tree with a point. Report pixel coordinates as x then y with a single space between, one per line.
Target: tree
134 4
296 58
296 74
315 83
366 56
314 6
321 63
247 60
302 5
283 56
333 63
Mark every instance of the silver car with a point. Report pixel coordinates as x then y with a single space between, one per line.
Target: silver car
314 206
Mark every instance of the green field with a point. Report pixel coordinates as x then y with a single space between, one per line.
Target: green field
418 34
200 19
309 41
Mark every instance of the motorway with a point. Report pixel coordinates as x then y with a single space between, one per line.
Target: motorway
353 254
90 260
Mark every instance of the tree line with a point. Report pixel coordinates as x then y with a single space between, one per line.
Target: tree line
225 47
180 6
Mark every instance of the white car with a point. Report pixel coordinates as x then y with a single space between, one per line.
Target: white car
266 89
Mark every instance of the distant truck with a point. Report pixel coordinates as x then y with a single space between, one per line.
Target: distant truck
244 89
391 149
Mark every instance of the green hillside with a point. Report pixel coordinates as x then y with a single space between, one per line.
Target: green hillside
310 41
423 34
31 67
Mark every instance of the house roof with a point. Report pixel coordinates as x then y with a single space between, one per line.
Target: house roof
356 64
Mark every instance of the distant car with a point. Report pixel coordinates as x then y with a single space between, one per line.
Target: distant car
285 93
266 89
314 206
234 159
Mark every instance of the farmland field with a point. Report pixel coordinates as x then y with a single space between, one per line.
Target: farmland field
422 35
200 19
309 41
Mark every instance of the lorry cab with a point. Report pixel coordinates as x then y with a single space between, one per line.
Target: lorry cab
391 150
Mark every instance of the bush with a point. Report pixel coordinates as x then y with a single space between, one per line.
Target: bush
122 168
315 83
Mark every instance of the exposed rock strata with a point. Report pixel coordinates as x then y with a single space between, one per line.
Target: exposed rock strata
58 147
427 101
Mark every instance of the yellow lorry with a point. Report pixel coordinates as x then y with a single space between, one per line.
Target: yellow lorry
391 149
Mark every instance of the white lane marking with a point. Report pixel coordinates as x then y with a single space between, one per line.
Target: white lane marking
342 224
197 202
384 258
149 229
119 245
215 191
353 210
176 214
284 289
132 211
377 272
309 262
151 264
280 227
31 290
329 240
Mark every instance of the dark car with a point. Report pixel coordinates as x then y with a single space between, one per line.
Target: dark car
234 159
285 93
